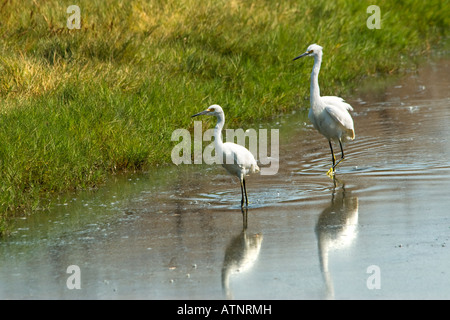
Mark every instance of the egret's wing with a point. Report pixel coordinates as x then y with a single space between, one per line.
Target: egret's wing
338 110
337 101
242 156
343 117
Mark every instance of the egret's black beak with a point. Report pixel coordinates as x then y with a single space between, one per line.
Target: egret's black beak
200 113
301 56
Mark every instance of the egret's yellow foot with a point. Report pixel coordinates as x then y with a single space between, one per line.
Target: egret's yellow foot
330 172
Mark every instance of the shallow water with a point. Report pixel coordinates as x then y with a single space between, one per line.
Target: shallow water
178 232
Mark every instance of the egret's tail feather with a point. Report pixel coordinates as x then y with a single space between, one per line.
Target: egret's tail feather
351 134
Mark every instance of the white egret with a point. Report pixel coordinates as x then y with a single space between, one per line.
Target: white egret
329 115
236 159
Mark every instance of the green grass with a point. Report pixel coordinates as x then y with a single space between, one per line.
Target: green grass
78 105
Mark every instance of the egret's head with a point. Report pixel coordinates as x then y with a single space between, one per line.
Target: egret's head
213 110
313 50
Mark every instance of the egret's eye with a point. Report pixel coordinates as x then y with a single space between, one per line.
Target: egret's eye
210 110
310 51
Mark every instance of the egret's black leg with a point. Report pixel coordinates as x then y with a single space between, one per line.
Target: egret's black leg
342 157
245 191
242 191
333 158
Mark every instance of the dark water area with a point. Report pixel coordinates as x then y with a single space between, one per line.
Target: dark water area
380 230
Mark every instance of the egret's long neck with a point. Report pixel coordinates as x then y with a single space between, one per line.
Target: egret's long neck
218 131
314 89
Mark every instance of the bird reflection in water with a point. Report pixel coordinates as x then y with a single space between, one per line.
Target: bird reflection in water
336 229
240 254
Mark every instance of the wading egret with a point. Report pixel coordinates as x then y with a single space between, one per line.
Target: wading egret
236 159
329 115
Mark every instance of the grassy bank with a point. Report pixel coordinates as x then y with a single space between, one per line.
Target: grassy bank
77 105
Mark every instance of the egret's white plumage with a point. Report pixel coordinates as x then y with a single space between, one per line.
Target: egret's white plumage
236 159
329 115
